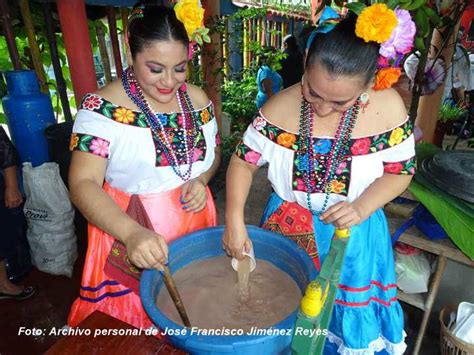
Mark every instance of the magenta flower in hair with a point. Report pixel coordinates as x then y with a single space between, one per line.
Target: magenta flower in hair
383 62
401 40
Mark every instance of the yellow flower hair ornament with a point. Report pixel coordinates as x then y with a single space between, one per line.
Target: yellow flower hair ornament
394 30
191 14
376 23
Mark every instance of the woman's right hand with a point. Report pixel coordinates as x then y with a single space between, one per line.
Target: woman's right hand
235 240
147 249
13 197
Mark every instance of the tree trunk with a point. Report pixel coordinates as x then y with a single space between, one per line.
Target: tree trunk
212 61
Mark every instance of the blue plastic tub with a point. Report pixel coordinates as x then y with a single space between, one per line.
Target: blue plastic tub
207 243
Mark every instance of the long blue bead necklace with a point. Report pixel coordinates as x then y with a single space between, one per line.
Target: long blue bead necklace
135 93
337 152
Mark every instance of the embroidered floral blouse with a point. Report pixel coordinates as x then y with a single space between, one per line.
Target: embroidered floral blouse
136 164
367 159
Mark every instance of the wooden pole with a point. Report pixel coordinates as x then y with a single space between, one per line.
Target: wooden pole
212 61
53 48
9 35
114 38
173 291
35 52
284 30
225 48
245 43
274 34
435 284
418 80
103 52
72 14
249 39
124 15
279 35
252 36
427 114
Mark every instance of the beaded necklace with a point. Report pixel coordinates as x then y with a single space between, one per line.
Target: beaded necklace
338 150
135 93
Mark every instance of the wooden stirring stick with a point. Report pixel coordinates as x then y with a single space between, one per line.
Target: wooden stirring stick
171 286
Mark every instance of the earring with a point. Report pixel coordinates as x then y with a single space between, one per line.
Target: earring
364 101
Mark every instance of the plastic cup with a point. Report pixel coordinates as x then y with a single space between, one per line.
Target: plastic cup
251 255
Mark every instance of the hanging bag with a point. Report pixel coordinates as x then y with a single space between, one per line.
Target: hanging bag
50 217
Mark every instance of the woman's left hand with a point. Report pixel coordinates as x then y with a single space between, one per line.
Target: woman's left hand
194 195
342 215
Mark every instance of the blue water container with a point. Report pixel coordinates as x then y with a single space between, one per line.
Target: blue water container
28 113
207 243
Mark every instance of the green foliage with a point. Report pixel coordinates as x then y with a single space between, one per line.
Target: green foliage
229 143
356 7
250 12
304 9
448 112
201 36
239 93
411 5
22 44
195 74
239 98
271 56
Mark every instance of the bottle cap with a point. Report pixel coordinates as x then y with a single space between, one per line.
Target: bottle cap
342 233
311 303
313 290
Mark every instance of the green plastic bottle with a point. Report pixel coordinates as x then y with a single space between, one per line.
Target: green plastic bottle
316 306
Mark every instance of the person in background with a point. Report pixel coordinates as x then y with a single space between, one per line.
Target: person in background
459 80
10 198
269 82
144 149
292 65
339 146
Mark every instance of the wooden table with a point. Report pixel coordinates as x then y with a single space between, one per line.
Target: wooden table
444 249
110 344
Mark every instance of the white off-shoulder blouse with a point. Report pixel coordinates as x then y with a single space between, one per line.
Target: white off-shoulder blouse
368 158
135 162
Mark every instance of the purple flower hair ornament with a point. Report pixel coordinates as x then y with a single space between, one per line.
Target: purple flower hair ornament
401 40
